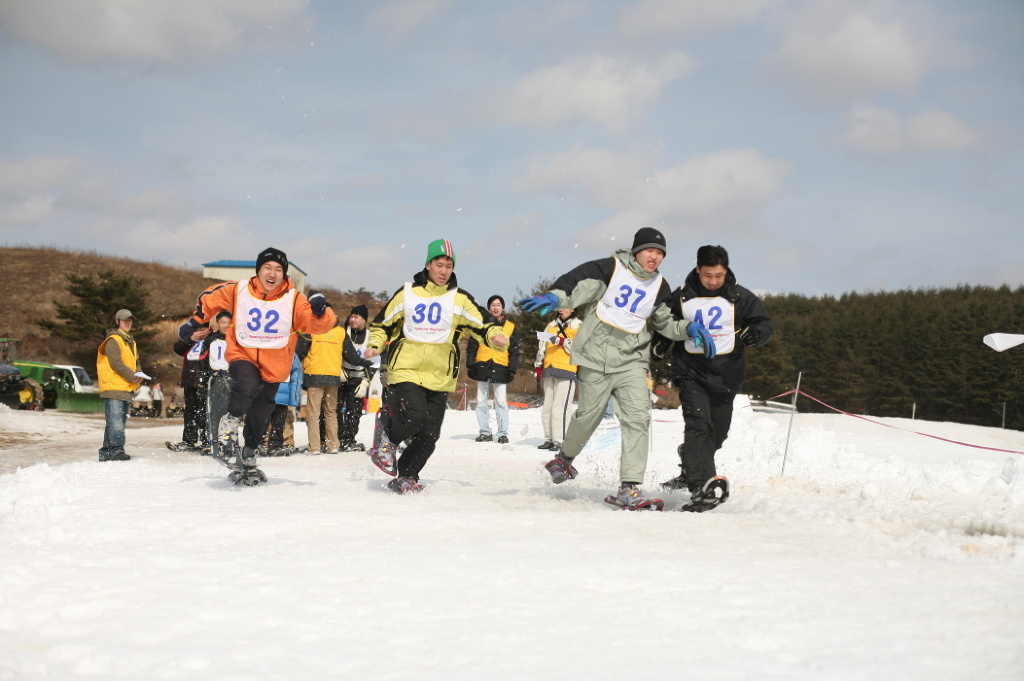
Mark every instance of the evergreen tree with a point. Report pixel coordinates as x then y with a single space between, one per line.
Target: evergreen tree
99 298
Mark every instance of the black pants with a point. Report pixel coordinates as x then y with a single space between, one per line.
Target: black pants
350 409
707 417
278 419
416 413
252 398
195 430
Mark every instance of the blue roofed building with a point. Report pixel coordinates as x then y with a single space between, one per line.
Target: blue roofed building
236 270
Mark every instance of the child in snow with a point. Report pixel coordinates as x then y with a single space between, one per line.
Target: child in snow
422 322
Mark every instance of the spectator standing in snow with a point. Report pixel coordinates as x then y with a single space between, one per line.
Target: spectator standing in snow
358 375
321 364
737 320
557 373
626 298
422 321
158 399
260 348
118 373
493 370
281 438
144 396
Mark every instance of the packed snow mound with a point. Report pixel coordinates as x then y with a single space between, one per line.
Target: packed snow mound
878 552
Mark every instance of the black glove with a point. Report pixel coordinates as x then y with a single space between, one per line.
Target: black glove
186 330
659 347
318 303
750 336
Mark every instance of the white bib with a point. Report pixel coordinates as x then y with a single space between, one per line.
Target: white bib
360 350
217 359
628 300
718 316
430 319
195 352
263 324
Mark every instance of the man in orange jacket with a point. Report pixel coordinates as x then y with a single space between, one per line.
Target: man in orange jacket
268 311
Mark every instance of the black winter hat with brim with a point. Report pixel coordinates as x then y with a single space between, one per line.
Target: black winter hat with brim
272 254
360 310
648 237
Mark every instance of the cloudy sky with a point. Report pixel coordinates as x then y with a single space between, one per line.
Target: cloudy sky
831 146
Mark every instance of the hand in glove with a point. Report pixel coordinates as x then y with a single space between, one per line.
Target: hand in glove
143 376
318 303
541 304
701 338
539 373
362 388
750 336
563 342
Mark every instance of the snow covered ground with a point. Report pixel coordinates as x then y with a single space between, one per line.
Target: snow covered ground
880 555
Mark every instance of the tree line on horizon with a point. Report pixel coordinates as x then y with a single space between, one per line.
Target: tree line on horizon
904 353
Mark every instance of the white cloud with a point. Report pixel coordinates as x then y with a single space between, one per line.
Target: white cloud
38 173
835 53
669 18
399 19
606 90
163 31
720 191
873 129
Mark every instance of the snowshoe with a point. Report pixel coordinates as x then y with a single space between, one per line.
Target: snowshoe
249 477
631 498
383 456
227 452
561 469
353 447
404 486
713 493
180 447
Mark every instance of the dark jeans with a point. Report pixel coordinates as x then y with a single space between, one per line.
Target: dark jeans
350 409
116 414
252 398
707 417
416 414
195 430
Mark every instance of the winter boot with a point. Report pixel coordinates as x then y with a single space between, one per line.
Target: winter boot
405 486
561 469
548 445
383 456
229 435
484 437
631 498
707 496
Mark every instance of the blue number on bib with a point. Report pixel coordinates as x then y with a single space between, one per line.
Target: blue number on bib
267 324
714 317
418 313
272 318
434 313
623 300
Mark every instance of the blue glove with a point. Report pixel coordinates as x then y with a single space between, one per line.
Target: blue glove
318 303
541 304
186 330
701 338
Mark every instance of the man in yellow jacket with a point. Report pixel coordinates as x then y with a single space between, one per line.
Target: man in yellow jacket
118 372
421 324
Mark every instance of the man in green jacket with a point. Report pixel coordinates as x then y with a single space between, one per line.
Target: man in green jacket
624 297
421 326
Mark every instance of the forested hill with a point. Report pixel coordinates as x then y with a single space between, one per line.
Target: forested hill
882 353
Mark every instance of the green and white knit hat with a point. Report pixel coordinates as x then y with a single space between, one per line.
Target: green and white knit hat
438 248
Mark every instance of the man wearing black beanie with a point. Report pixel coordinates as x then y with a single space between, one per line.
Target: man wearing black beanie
625 299
357 382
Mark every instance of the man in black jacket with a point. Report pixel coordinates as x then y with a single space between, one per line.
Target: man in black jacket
195 379
737 320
